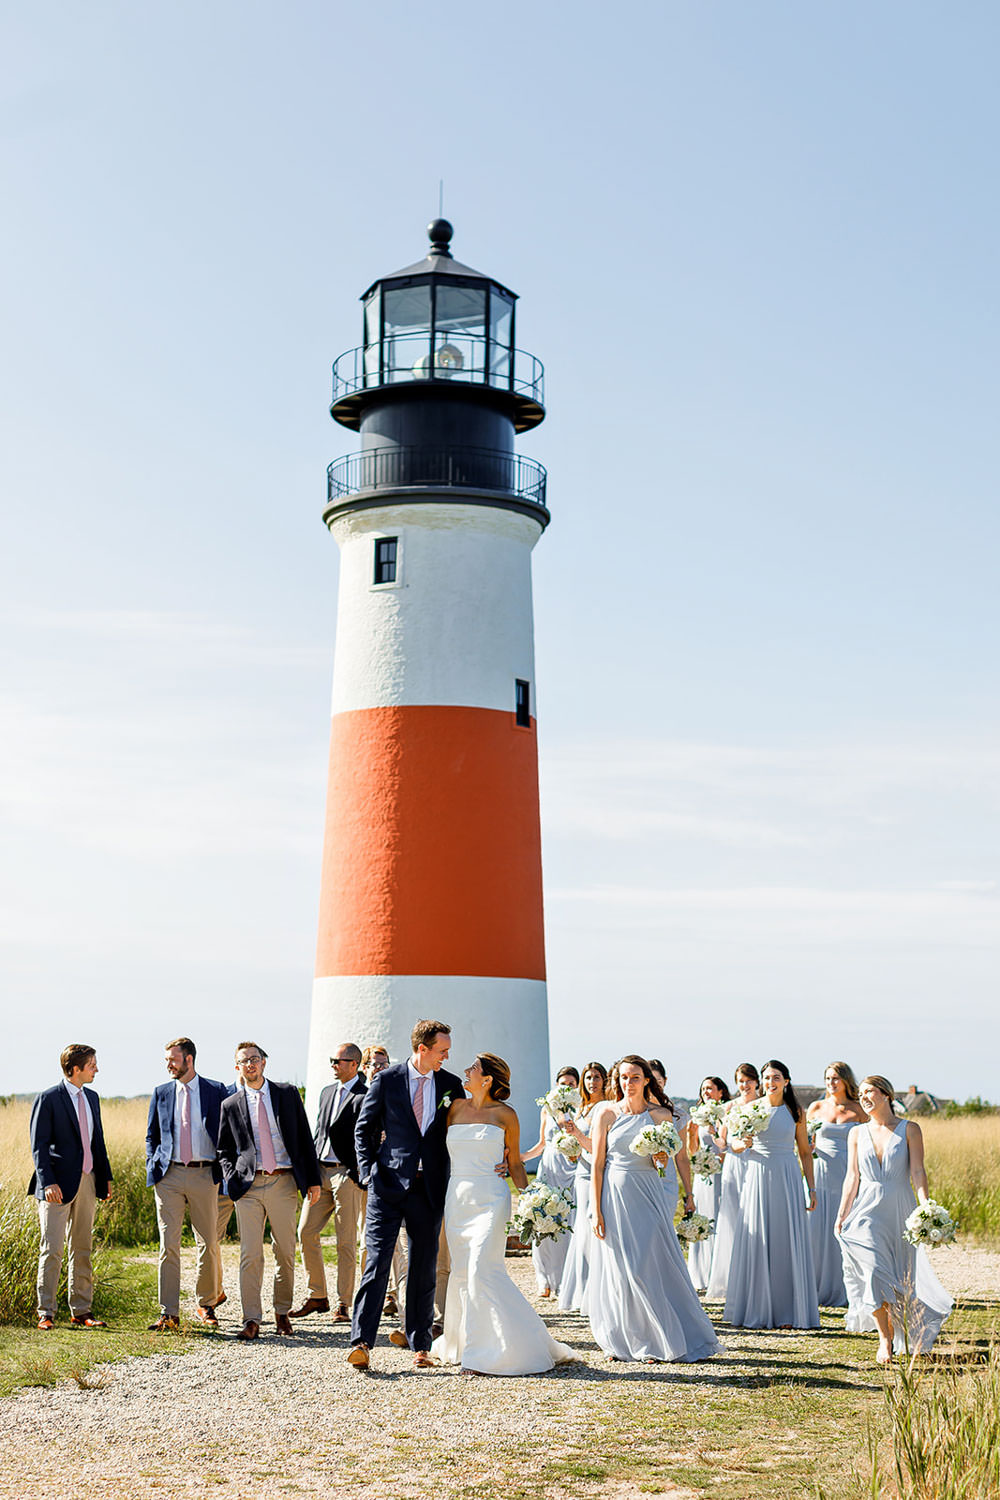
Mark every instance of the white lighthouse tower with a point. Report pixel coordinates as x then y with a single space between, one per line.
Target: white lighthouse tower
431 899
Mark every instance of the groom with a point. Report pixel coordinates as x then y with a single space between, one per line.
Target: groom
401 1136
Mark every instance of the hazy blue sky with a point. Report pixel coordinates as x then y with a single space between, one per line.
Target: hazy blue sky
757 249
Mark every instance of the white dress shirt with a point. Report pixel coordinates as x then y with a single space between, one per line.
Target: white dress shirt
258 1099
74 1093
201 1142
426 1082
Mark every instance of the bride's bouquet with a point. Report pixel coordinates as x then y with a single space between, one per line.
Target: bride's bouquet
562 1100
929 1224
695 1227
711 1113
542 1213
568 1145
705 1163
751 1118
656 1140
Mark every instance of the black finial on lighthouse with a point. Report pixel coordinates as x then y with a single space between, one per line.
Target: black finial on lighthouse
439 232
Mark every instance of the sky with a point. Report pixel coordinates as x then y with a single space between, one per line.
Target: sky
756 250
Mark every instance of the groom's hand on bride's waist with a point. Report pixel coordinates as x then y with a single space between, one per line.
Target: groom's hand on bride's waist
501 1166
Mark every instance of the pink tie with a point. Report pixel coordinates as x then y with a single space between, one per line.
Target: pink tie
267 1158
81 1112
186 1152
418 1104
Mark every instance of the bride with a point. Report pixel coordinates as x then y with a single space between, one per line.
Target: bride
489 1328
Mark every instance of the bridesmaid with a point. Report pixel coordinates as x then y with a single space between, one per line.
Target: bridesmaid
733 1171
890 1283
678 1166
838 1112
707 1195
640 1301
549 1256
772 1283
572 1291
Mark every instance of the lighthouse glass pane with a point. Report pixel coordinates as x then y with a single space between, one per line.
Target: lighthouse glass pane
407 335
460 332
501 320
373 309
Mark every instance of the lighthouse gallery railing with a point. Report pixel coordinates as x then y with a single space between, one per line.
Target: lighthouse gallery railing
452 468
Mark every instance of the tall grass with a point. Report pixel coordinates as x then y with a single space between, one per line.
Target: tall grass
963 1169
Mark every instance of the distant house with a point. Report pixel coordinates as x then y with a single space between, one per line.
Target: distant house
917 1101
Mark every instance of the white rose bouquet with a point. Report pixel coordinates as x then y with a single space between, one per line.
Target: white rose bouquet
542 1213
656 1140
751 1118
711 1114
929 1224
705 1163
695 1227
568 1145
813 1128
562 1100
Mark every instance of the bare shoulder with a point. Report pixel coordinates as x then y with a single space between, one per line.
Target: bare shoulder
603 1114
814 1108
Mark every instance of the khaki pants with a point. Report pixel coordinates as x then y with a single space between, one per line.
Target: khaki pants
272 1199
344 1202
58 1222
193 1189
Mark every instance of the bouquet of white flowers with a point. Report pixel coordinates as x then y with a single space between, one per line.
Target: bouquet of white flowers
695 1227
711 1113
751 1118
705 1163
813 1128
542 1213
929 1224
654 1140
567 1144
562 1100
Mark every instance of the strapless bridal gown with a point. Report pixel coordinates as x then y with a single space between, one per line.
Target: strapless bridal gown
488 1325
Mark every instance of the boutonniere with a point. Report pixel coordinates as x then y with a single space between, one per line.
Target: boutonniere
445 1100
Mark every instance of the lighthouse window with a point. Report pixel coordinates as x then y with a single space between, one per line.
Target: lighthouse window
385 559
522 703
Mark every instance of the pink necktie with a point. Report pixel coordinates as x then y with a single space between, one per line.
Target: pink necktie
81 1113
418 1104
267 1159
186 1152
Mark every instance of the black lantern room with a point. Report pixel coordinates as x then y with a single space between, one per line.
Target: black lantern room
438 390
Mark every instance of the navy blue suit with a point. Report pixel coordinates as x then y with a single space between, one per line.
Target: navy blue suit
406 1175
57 1148
160 1125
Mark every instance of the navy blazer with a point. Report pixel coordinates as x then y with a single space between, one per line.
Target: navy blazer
238 1153
391 1150
338 1135
57 1148
160 1125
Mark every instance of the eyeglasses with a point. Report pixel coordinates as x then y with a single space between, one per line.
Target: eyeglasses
255 1058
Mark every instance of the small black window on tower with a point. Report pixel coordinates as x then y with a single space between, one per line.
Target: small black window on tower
385 559
522 703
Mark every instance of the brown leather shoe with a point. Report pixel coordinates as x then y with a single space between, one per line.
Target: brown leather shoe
342 1315
310 1305
437 1329
250 1330
207 1315
165 1324
391 1308
87 1322
398 1337
282 1325
219 1300
45 1325
424 1360
357 1356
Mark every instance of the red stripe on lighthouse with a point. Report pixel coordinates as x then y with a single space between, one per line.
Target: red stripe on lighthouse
432 855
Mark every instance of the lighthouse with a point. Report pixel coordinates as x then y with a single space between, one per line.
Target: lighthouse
431 889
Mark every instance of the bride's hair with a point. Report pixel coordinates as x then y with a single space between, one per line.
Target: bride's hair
651 1089
497 1072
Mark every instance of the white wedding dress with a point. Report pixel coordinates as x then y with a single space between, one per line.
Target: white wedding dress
488 1325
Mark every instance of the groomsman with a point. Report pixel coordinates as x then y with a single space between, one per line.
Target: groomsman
341 1194
266 1152
71 1173
182 1168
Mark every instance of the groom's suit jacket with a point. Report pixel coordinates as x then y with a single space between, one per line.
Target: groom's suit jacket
391 1149
160 1125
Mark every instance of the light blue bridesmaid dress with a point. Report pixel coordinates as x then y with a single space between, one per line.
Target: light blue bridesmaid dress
879 1265
549 1256
830 1167
772 1283
640 1300
707 1197
734 1170
576 1271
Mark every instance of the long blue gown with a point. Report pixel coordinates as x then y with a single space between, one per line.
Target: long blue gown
772 1283
734 1170
707 1197
549 1256
830 1167
879 1265
640 1300
576 1271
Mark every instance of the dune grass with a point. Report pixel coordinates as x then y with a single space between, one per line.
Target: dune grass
963 1169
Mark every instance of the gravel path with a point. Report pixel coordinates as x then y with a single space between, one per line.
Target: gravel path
231 1420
